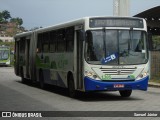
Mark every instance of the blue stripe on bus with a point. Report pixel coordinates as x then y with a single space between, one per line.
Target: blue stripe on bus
95 85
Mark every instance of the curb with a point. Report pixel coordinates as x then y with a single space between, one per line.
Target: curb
155 85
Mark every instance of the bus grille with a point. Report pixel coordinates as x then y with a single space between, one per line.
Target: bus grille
118 71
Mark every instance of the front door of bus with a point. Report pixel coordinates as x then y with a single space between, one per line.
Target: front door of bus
79 59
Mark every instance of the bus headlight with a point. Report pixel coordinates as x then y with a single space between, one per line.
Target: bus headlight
91 75
142 75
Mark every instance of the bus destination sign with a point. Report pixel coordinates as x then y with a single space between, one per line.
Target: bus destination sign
116 22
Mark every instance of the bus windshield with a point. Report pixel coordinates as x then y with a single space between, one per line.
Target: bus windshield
116 47
4 54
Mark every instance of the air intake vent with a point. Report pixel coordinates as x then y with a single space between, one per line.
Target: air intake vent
117 71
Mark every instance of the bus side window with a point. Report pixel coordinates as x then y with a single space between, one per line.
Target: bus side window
53 41
39 44
22 45
70 39
45 42
61 41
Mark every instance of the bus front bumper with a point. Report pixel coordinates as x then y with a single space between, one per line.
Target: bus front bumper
95 85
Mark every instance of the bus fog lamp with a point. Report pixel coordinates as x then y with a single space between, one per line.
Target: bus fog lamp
95 76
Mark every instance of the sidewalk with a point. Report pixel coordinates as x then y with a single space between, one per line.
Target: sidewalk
153 84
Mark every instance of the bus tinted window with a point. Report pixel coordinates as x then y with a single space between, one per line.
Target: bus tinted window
39 44
45 42
22 45
70 38
61 41
53 41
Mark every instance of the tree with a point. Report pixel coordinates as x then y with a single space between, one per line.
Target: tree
17 20
6 14
1 18
10 26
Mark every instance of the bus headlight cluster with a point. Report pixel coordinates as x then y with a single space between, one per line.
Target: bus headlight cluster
142 75
91 75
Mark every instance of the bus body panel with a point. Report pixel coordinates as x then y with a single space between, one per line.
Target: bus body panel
94 85
22 56
108 76
55 67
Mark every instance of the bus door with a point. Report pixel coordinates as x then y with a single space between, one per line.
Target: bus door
79 59
27 55
16 57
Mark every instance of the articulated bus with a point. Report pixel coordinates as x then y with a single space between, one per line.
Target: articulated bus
88 54
5 58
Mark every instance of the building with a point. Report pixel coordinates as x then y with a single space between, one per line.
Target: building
7 30
5 38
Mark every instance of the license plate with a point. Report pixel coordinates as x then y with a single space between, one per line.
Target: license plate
118 85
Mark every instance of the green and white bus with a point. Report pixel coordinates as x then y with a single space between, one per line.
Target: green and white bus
5 57
89 54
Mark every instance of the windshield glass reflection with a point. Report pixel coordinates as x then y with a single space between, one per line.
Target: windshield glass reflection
113 47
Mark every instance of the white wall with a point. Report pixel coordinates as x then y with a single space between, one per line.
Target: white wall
7 39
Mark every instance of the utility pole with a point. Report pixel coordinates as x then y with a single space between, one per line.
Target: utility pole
121 7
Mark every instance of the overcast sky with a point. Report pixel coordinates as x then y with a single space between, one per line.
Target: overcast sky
36 13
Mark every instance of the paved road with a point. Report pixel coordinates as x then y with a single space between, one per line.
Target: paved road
15 96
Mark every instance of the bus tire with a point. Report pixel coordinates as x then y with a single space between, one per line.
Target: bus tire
71 87
41 80
23 80
125 93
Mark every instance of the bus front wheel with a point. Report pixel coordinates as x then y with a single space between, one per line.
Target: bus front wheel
125 93
23 80
71 87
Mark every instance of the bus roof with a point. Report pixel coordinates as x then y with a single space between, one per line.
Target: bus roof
67 24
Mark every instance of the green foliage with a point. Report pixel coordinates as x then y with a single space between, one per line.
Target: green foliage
156 41
6 14
10 26
17 20
1 18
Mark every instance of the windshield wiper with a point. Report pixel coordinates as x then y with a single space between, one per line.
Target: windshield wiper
104 41
129 41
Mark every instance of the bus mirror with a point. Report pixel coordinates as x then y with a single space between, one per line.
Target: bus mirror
150 42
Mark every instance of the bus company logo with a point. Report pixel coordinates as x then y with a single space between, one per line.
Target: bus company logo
6 114
118 72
